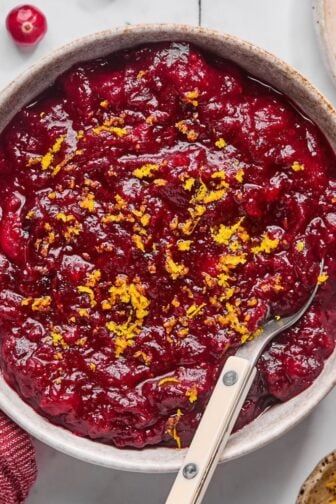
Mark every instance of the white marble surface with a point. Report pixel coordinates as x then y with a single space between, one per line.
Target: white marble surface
273 474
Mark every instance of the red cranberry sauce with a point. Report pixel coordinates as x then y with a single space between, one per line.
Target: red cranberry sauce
157 206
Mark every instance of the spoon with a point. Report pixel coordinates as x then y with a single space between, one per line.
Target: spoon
222 411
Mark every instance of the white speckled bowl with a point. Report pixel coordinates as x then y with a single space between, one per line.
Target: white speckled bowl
324 12
262 64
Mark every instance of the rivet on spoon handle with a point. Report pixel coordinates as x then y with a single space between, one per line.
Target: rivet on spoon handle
213 432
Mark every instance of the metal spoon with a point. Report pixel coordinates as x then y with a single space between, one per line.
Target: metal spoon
222 412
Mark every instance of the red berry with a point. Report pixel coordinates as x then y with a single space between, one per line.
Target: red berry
27 25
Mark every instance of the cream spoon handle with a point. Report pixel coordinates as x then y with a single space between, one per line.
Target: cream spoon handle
213 432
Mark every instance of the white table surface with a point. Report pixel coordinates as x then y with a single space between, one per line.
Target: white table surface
275 473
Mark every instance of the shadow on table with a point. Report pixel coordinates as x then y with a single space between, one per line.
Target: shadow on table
63 480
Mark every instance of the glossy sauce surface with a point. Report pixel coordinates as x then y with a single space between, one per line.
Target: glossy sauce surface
156 207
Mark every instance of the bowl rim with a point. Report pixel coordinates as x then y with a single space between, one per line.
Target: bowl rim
275 421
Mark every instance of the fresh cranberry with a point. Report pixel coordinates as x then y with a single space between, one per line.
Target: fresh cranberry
27 25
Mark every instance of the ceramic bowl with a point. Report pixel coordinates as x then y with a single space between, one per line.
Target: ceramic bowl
262 64
324 12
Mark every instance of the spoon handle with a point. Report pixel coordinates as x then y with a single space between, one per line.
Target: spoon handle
213 432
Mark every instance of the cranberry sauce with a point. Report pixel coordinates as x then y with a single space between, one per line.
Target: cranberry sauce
157 206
